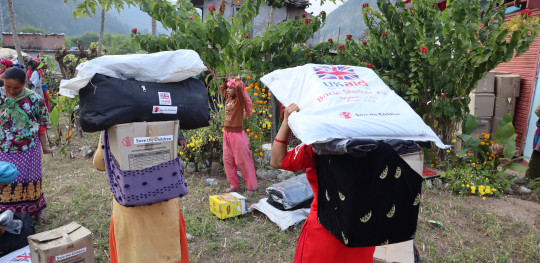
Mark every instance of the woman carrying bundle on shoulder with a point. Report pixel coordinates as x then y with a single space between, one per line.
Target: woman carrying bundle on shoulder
315 244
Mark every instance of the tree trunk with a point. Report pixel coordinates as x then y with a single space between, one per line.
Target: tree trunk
101 29
154 27
272 9
15 35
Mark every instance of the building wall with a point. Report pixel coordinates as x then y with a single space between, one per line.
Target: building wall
527 67
260 21
34 41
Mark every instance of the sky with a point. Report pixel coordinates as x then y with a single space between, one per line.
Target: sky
328 6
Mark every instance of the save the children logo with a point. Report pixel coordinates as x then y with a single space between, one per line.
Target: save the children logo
335 72
345 115
127 141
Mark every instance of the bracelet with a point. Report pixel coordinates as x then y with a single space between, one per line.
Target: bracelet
280 141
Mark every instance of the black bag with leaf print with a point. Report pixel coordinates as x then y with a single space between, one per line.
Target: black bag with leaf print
368 201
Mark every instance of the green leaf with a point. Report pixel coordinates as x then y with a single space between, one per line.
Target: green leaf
54 116
504 133
469 141
469 124
516 166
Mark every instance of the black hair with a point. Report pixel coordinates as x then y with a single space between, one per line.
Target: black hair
16 74
34 64
1 83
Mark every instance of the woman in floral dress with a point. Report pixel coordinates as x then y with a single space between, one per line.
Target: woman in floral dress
23 120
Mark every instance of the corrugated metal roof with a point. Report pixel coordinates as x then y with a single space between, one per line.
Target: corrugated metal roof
527 67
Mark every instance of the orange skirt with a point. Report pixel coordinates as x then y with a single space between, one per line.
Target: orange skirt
148 234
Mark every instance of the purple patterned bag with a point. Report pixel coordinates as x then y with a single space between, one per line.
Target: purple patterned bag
148 186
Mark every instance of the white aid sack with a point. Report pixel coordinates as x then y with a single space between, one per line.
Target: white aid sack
161 67
343 102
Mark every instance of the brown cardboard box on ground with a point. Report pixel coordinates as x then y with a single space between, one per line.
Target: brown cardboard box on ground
507 85
482 104
67 244
400 252
504 106
483 127
487 84
140 145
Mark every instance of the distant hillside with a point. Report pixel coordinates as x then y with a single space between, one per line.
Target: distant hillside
55 17
346 19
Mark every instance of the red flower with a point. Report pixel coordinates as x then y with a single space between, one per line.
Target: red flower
190 18
410 8
365 5
330 40
443 95
364 43
134 30
370 65
304 15
211 8
323 13
423 49
308 55
482 12
246 36
349 36
529 12
406 1
384 34
307 20
341 47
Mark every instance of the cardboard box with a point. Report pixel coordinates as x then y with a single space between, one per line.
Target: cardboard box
415 161
71 243
227 205
483 127
507 85
400 252
487 84
140 145
482 104
504 106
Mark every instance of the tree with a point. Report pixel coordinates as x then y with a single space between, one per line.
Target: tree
31 29
88 8
226 45
14 32
434 59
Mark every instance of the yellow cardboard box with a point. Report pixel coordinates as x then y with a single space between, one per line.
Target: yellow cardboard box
227 205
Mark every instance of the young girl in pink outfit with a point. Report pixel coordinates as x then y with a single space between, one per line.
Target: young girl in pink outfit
236 151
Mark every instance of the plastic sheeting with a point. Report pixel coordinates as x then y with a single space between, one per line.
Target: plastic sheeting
339 101
284 219
291 192
161 67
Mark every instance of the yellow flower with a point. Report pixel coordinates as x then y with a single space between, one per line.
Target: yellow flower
270 115
432 165
473 188
220 106
482 143
448 151
454 141
255 94
192 145
264 125
252 111
484 198
462 185
486 136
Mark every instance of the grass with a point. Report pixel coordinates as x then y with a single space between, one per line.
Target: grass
471 231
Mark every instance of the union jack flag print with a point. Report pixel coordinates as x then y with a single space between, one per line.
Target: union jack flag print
25 257
335 72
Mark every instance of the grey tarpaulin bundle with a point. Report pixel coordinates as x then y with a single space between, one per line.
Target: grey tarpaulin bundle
291 194
107 101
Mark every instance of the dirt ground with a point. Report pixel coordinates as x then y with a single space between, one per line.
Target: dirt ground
473 230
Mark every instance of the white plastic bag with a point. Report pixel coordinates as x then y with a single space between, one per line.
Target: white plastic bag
339 101
161 67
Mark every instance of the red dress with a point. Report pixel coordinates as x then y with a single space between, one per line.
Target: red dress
315 243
